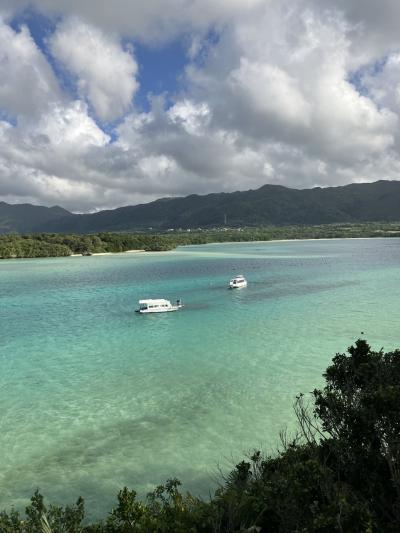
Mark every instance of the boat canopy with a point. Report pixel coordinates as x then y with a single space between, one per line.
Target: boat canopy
154 302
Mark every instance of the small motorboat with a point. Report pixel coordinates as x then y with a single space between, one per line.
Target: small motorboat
238 282
158 306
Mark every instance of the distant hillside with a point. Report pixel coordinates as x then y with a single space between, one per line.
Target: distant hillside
269 205
24 218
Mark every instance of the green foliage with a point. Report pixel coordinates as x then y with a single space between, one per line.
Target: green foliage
55 244
40 519
359 409
166 510
340 473
268 205
13 246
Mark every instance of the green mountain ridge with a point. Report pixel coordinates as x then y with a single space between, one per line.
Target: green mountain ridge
268 205
22 218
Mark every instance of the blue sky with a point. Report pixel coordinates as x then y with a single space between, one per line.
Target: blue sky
106 104
161 70
161 66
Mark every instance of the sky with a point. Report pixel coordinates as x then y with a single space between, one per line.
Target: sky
104 104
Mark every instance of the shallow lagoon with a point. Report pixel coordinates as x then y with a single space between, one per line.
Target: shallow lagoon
95 397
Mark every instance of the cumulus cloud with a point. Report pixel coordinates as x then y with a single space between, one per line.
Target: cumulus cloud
151 21
383 82
372 27
27 83
105 72
299 93
44 161
270 91
71 128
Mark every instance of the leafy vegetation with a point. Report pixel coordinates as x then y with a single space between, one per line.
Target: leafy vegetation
55 244
268 205
340 472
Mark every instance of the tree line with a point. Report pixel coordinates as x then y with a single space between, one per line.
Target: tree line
339 472
58 245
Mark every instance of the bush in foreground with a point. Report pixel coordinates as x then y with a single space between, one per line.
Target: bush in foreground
341 472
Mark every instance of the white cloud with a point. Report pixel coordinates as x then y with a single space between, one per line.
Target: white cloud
193 118
151 21
287 81
105 72
27 83
269 100
372 27
270 91
383 82
71 128
45 160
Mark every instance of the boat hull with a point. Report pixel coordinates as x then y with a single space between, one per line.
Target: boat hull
148 311
238 282
238 285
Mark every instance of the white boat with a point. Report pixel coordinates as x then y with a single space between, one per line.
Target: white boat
238 282
158 306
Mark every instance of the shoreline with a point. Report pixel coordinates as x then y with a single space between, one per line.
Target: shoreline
184 245
224 242
107 253
295 240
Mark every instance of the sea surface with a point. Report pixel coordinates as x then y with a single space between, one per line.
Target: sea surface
94 396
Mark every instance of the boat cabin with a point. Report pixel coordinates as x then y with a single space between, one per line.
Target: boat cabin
238 282
157 306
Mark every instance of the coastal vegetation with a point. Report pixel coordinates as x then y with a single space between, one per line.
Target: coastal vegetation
339 472
269 205
56 244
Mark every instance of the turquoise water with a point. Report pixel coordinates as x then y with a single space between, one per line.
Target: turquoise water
94 396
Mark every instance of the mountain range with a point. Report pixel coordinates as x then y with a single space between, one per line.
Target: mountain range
268 205
27 218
